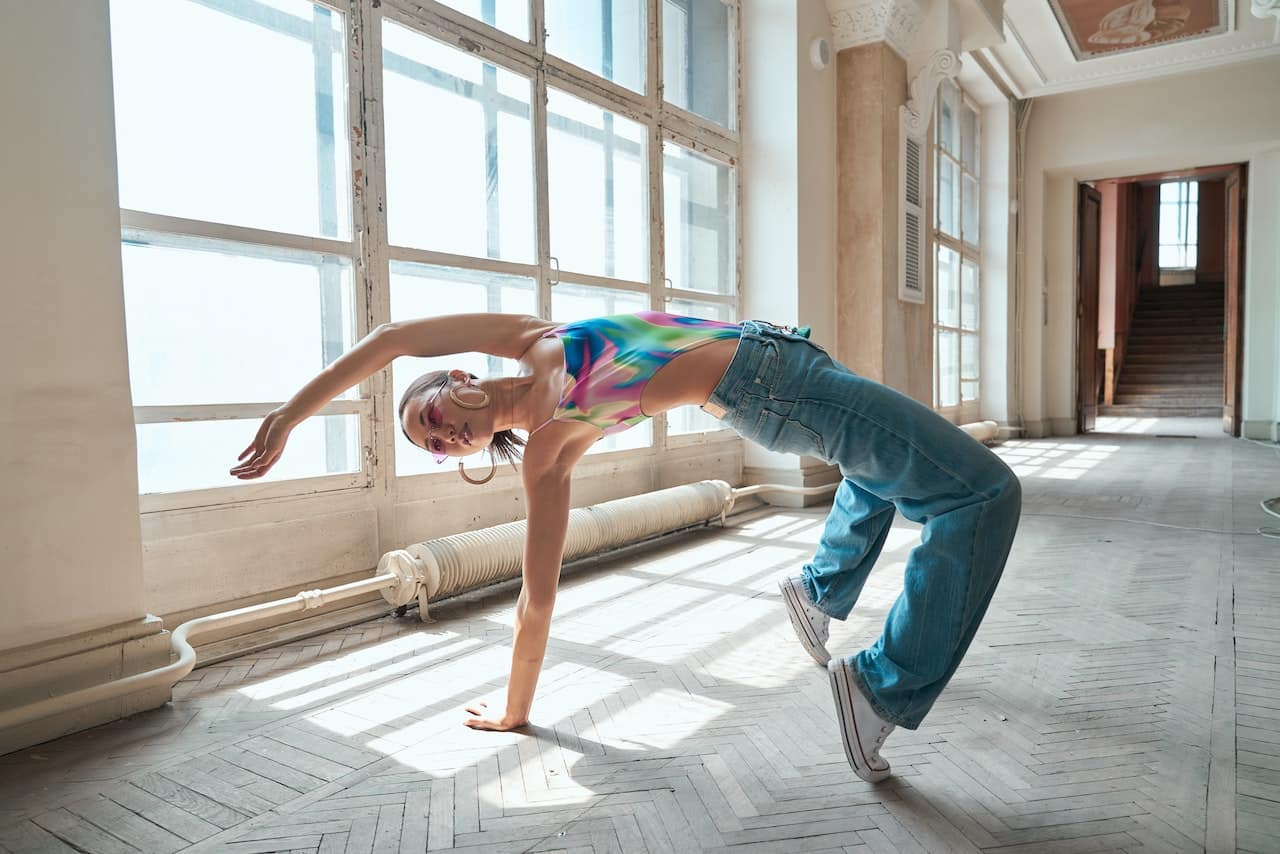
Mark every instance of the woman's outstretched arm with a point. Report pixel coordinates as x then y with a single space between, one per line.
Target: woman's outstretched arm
499 334
547 500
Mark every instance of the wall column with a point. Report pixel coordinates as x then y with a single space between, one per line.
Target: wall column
71 595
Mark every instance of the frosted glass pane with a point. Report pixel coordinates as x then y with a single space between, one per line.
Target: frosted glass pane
598 189
236 118
697 58
971 217
510 16
606 37
948 369
459 151
701 240
418 290
947 295
241 325
948 200
968 296
197 455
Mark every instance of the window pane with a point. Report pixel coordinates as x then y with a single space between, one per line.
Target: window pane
969 366
197 455
419 290
948 369
510 16
697 57
969 390
579 302
1170 222
947 295
190 341
691 419
599 199
970 211
236 118
969 139
969 296
459 150
948 196
700 237
606 37
948 129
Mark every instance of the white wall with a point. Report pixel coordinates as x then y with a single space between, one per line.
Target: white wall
1223 115
69 532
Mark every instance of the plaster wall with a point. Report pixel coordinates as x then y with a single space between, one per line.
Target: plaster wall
1127 130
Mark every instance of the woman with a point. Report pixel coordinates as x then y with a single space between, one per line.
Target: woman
773 386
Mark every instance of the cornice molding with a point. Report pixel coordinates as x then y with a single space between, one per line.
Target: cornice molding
859 22
924 88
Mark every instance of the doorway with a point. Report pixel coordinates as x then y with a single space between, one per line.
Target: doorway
1159 309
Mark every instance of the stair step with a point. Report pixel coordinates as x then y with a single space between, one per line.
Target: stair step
1160 411
1170 390
1167 400
1189 348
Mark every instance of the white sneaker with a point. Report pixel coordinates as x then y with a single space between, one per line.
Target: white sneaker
861 729
812 626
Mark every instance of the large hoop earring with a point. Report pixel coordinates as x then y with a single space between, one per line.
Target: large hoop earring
493 463
453 395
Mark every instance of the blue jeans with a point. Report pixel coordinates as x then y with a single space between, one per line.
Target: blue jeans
785 393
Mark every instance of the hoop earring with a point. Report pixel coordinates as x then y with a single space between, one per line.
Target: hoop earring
453 395
493 469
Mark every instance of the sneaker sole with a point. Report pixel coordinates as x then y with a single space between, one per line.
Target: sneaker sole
841 691
800 624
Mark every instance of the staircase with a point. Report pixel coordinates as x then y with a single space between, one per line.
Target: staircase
1173 364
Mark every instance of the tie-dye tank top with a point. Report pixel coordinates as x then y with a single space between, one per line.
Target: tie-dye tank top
608 362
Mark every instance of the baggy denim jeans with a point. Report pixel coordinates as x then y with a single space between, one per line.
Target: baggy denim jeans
785 393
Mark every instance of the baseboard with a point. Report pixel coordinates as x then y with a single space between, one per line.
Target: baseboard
1062 427
68 664
1263 431
812 472
1035 429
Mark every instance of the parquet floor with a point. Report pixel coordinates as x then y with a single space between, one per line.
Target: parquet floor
1122 695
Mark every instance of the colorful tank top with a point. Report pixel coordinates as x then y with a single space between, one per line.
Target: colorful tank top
608 361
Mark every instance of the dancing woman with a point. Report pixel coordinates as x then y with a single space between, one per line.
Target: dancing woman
590 378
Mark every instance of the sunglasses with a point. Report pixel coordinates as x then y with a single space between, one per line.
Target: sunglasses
435 418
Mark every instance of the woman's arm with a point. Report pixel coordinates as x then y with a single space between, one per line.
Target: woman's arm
506 335
373 353
547 499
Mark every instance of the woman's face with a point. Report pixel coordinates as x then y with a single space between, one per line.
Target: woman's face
436 422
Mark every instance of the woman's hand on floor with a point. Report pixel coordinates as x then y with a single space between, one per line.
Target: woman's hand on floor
478 720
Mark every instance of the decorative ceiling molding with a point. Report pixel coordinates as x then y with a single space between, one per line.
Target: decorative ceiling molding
924 87
1036 58
859 22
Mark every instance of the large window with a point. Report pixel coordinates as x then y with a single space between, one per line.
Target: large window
1178 215
293 173
956 274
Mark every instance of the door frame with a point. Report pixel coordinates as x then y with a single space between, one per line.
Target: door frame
1233 309
1086 367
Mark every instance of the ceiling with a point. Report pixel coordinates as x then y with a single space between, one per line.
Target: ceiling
1053 46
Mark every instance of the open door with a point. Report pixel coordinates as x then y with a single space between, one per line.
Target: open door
1089 213
1233 282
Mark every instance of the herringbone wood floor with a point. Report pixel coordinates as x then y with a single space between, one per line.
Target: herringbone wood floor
1121 696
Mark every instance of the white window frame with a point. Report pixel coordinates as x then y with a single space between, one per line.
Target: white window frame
371 254
965 410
